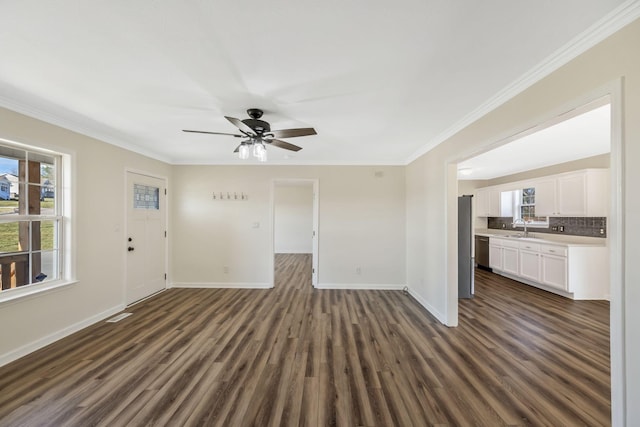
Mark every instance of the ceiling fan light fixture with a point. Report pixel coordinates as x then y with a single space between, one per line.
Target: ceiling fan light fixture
258 148
243 151
259 151
258 132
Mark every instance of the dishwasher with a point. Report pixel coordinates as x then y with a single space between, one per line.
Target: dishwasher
482 252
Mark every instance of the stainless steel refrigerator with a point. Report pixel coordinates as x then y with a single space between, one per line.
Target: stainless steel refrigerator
465 253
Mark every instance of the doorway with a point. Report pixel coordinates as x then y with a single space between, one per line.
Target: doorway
145 244
613 91
295 220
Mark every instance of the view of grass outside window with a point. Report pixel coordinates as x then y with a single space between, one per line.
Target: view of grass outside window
30 219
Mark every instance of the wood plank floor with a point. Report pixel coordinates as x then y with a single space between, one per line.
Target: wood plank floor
298 356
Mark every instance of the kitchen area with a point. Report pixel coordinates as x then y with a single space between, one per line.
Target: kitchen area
544 227
562 247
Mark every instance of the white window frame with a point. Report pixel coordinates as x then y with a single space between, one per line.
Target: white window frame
517 203
65 263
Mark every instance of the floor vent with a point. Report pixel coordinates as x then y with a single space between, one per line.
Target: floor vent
119 317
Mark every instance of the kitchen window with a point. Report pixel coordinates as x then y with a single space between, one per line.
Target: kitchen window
525 208
31 218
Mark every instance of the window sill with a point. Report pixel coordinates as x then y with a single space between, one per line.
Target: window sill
20 294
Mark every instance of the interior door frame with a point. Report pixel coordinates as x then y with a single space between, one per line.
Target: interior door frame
315 247
615 232
126 228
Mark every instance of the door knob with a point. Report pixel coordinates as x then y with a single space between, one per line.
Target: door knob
129 239
130 249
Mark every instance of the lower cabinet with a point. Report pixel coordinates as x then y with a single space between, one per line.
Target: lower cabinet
530 265
554 271
510 260
576 271
495 255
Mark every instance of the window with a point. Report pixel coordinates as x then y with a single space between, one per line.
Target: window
31 218
525 208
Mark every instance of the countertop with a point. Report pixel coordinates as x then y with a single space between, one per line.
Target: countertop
544 238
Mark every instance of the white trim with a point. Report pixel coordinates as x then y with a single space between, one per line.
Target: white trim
51 338
73 125
23 293
315 249
616 236
451 245
603 28
362 286
222 285
431 309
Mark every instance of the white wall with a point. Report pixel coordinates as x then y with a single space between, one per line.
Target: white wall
361 225
429 199
293 218
99 240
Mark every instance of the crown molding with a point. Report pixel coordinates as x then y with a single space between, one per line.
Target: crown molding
76 126
622 16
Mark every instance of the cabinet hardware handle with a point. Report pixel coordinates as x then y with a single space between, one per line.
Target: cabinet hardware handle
551 250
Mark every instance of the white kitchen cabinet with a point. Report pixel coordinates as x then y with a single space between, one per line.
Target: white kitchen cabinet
529 261
571 195
581 193
572 270
510 256
554 271
486 202
545 196
490 201
495 254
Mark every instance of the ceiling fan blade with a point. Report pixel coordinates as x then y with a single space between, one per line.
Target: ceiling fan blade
240 125
212 133
282 144
292 133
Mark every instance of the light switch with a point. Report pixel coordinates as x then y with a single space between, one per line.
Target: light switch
255 225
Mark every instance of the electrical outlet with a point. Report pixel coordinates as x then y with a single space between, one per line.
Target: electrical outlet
561 228
554 228
602 231
225 269
358 270
504 225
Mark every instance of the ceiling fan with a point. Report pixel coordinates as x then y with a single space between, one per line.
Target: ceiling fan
258 133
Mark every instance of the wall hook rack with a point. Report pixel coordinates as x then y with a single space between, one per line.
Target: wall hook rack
230 196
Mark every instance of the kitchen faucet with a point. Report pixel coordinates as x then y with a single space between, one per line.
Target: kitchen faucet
524 224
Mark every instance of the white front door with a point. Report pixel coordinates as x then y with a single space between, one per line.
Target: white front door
145 239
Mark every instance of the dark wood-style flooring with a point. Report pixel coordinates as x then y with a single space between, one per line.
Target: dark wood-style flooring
294 356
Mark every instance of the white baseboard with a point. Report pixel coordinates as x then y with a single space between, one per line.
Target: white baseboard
293 251
361 286
222 285
441 318
45 341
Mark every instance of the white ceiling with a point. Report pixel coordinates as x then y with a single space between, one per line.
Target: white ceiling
578 137
380 81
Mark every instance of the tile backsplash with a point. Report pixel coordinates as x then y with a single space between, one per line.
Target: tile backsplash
574 226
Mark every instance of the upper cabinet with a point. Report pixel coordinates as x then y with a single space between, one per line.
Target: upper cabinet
491 201
581 193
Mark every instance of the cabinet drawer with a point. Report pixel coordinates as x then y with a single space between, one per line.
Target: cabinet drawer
495 242
554 250
528 246
510 244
